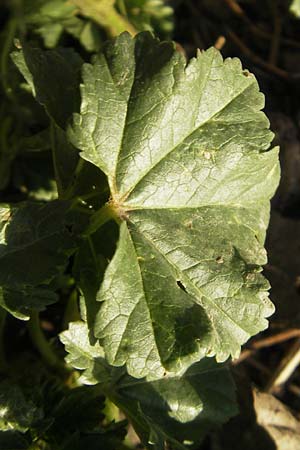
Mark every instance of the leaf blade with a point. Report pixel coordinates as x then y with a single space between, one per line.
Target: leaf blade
191 176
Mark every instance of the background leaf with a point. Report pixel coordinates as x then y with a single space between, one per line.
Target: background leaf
174 409
16 412
50 234
55 75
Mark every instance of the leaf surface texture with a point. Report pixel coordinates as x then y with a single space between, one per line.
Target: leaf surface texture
185 148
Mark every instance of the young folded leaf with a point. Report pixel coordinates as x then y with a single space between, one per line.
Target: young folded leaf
185 148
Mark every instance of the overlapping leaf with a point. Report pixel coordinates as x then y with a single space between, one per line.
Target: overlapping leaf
186 152
37 231
52 75
174 409
47 234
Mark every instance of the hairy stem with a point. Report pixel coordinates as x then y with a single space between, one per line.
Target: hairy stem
42 345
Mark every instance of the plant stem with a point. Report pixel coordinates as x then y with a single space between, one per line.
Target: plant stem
100 217
41 343
256 59
54 159
71 312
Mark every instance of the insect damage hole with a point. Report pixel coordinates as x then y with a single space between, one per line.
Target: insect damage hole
180 285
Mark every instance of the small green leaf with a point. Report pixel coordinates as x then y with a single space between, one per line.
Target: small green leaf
185 148
173 408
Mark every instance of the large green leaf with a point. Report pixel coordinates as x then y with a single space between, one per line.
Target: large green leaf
175 409
185 148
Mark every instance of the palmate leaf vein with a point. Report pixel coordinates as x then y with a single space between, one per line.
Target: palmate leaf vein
151 243
129 191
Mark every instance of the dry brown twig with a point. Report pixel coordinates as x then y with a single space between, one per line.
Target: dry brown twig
286 368
256 59
269 341
238 11
220 42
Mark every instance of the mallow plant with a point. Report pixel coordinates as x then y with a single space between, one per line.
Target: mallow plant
153 247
